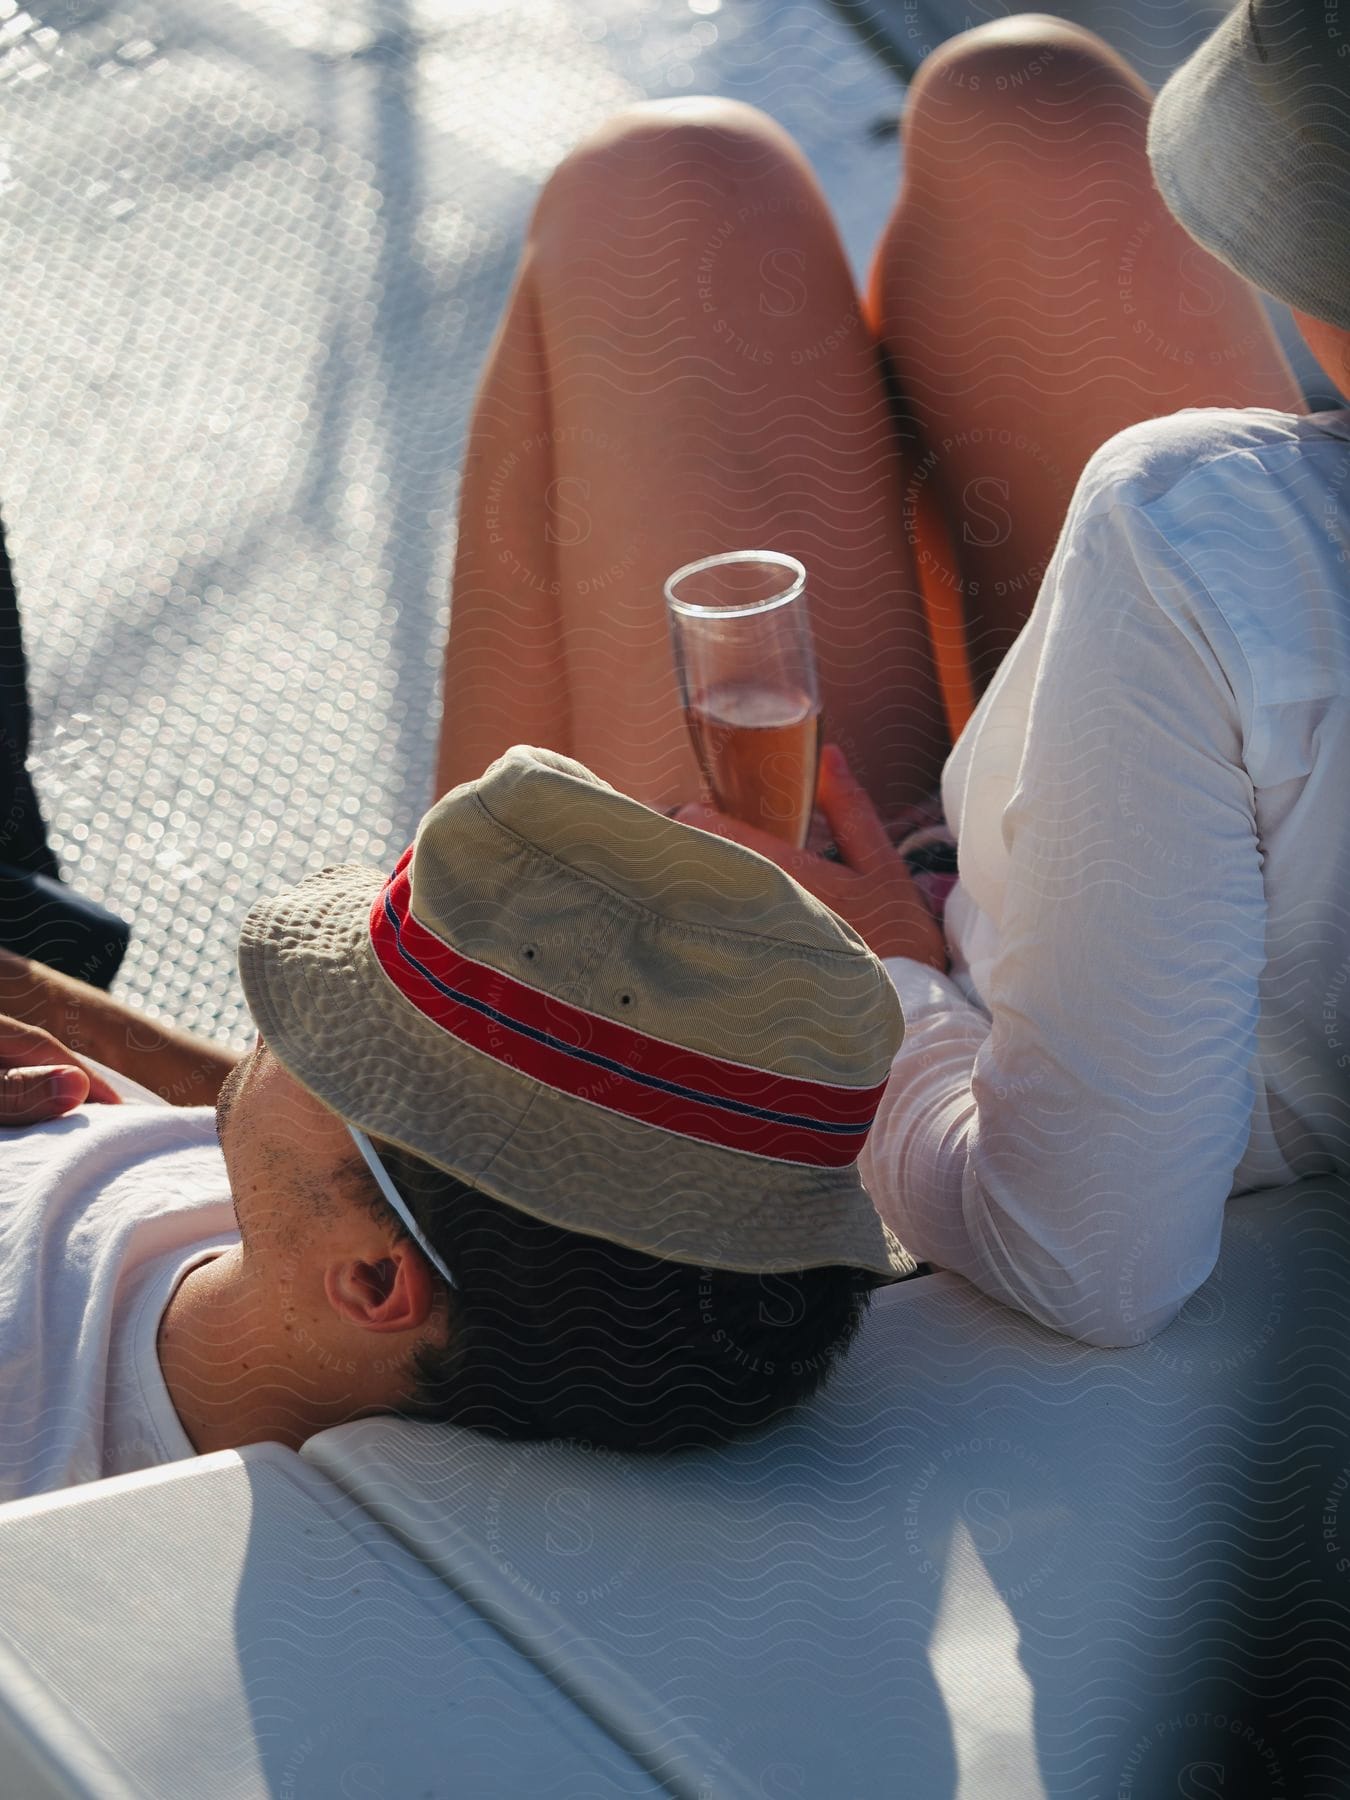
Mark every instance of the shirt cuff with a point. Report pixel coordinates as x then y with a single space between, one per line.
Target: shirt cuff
923 989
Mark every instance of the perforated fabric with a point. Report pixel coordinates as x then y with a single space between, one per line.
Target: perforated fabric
255 255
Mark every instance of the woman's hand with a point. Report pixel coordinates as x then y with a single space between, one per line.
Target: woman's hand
41 1079
870 888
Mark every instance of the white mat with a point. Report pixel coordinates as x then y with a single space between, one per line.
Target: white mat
232 1628
255 252
986 1562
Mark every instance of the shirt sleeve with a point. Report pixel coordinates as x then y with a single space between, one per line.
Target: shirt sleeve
1071 1152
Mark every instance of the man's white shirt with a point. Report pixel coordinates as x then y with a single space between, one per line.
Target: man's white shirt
1149 1004
102 1213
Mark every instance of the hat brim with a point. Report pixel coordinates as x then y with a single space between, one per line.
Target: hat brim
338 1024
1244 179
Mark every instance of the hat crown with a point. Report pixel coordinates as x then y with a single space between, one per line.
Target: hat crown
549 875
1249 141
1300 57
562 810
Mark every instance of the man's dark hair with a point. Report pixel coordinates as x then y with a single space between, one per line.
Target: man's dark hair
555 1333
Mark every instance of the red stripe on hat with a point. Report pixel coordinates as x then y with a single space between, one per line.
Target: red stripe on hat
611 1065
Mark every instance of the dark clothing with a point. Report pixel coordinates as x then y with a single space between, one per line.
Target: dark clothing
39 916
23 836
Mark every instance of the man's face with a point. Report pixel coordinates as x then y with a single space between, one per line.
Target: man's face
290 1159
319 1310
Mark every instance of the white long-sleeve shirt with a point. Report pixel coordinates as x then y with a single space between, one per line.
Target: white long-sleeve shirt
1149 1005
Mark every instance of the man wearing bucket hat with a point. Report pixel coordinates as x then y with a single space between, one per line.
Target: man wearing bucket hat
553 1130
1148 1007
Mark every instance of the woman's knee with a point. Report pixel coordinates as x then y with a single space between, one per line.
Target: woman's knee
652 162
1007 63
1028 104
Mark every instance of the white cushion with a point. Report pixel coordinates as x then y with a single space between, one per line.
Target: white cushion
233 1626
987 1559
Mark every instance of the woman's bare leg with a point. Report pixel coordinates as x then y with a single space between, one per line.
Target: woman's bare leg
1035 296
682 369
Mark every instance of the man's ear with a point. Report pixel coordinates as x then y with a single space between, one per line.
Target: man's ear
396 1293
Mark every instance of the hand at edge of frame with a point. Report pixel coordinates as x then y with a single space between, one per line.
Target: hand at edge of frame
41 1079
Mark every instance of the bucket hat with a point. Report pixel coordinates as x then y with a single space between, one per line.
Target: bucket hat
1250 146
605 1018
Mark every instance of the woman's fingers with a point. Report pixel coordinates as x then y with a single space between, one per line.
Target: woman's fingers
855 822
879 900
28 1096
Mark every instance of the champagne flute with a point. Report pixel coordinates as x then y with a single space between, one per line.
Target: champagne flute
746 666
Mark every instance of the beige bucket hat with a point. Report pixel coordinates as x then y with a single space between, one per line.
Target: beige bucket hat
1250 145
608 1019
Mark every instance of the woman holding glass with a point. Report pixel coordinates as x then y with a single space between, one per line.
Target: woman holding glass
685 368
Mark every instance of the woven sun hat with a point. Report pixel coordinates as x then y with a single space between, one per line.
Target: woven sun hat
1250 145
610 1020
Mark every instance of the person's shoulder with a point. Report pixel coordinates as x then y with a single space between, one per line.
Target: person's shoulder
1204 453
